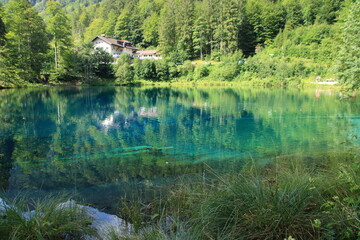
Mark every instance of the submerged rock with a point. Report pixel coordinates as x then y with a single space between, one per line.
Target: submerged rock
3 207
105 224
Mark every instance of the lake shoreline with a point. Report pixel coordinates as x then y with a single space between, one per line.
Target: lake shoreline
179 83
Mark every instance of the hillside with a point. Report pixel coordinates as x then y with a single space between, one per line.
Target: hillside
283 40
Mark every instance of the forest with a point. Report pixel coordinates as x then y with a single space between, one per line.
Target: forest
266 42
181 163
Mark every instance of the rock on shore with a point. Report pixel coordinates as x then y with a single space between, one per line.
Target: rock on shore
104 223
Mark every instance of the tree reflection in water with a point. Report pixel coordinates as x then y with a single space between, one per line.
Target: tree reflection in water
102 143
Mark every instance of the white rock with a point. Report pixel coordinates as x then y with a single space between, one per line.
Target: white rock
3 207
29 215
104 223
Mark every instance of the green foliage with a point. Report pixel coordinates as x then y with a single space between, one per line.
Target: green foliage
200 72
167 28
178 57
58 27
86 64
124 71
200 36
44 220
3 71
258 208
101 63
303 35
151 26
349 59
293 197
145 69
162 70
27 39
186 70
2 29
226 32
184 25
229 68
123 28
342 202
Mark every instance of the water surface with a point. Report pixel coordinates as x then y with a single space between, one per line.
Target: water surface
102 143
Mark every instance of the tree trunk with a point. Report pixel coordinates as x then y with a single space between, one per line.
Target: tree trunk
55 54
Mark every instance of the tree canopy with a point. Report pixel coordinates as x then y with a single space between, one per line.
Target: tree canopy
27 39
349 60
303 37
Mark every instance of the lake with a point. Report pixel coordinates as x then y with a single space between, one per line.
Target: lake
103 143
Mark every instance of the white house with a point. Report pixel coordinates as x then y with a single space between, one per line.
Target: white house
117 47
147 54
114 46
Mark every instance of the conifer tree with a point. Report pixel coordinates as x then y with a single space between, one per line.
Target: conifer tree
2 29
110 23
151 29
349 60
200 36
2 50
123 25
226 33
167 29
184 23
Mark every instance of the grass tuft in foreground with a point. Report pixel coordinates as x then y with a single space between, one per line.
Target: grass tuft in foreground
44 219
293 197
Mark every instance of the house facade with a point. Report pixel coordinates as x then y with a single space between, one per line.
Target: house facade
117 47
113 46
147 54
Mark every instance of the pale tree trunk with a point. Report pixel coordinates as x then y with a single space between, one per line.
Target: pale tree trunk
55 53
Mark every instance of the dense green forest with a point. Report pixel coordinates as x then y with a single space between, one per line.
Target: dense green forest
272 42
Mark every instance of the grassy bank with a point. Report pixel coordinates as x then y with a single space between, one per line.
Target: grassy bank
292 197
26 219
304 83
301 197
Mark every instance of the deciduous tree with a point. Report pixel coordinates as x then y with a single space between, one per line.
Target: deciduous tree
60 31
27 39
349 60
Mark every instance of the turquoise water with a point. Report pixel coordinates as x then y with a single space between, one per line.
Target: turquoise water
103 143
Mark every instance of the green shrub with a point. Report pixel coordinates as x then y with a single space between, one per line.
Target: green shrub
162 70
342 197
186 69
201 71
